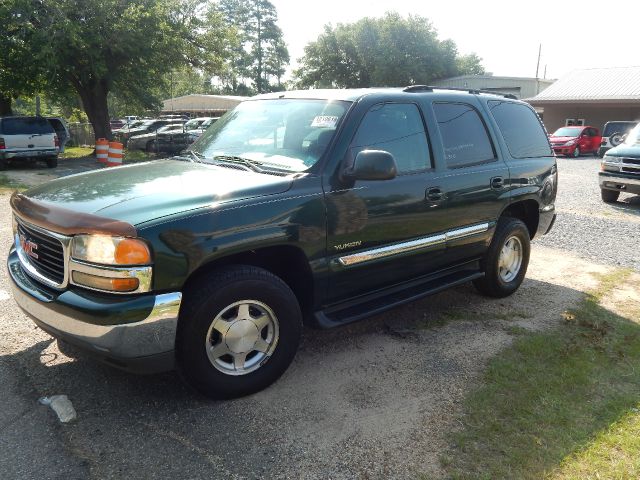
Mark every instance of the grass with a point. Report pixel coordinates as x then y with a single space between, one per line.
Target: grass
9 186
560 404
77 152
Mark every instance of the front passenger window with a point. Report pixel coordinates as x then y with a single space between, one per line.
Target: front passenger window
398 129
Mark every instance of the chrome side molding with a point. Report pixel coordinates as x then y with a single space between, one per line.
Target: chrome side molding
424 243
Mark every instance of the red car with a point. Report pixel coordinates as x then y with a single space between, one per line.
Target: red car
574 141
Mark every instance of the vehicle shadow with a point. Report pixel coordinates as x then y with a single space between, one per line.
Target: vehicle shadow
391 384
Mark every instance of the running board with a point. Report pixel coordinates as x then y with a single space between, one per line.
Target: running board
352 311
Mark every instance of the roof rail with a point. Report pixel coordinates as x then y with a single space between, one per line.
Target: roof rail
473 91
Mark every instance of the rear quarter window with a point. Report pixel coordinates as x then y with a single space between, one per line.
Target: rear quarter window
521 129
25 126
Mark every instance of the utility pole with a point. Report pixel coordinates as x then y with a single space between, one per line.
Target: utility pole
538 65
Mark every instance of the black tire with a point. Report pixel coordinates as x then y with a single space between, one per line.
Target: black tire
493 284
207 299
151 147
609 196
52 162
3 165
576 152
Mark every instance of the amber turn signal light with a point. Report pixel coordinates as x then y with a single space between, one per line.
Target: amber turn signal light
130 251
106 283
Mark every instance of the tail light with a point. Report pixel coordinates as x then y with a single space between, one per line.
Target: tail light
2 145
56 142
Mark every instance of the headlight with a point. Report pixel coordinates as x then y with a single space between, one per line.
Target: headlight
106 250
611 159
570 142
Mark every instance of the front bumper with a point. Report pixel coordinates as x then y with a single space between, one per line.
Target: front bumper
620 182
135 334
564 150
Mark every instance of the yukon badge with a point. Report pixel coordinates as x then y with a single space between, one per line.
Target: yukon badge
344 246
29 247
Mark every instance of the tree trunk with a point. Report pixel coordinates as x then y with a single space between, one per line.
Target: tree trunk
5 105
94 102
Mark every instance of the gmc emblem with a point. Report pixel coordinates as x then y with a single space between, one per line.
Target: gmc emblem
28 246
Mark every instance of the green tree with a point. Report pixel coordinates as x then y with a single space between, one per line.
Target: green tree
260 53
121 46
387 51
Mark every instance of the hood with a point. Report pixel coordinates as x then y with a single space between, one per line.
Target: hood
624 150
147 191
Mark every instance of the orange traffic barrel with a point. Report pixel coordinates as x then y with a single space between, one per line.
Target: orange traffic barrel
115 154
102 150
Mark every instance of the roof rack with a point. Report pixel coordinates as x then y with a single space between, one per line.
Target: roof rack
473 91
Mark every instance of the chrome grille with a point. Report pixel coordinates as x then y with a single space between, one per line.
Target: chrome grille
633 161
48 258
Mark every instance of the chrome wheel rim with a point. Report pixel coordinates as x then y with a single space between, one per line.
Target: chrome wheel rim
510 259
242 337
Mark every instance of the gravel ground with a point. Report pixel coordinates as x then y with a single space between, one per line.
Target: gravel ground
375 400
588 227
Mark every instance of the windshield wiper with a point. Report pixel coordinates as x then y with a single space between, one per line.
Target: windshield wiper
196 157
250 164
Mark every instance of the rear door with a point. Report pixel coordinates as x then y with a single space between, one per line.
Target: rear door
473 177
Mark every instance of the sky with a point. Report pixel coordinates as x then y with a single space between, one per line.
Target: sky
506 35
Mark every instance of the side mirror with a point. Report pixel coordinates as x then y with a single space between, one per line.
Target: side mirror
372 165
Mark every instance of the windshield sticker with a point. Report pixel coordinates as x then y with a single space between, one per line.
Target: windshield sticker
325 121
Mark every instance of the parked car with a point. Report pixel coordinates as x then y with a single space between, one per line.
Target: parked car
574 141
194 133
613 135
195 123
116 124
27 138
620 168
147 126
147 141
60 127
314 206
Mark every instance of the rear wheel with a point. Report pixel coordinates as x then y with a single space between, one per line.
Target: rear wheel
506 261
609 196
239 331
52 162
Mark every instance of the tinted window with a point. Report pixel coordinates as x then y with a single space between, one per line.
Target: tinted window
617 127
25 126
521 129
397 129
464 136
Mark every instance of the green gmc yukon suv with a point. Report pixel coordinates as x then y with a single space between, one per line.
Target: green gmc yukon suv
319 207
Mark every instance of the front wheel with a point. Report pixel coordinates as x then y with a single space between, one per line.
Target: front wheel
505 264
576 152
239 331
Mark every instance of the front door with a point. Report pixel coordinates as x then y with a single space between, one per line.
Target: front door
385 232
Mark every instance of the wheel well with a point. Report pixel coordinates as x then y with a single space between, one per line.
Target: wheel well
526 210
288 263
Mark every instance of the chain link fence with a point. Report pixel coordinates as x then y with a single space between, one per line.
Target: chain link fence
81 135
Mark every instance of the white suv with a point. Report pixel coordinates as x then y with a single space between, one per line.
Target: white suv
613 135
25 138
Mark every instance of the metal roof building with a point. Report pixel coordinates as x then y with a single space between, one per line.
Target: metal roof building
521 87
591 97
201 105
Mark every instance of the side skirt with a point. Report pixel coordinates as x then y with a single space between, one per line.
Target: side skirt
388 298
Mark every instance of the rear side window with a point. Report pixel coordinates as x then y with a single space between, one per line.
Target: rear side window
398 129
25 126
521 129
464 135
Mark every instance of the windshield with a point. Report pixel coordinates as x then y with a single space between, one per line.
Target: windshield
567 132
617 127
634 136
193 123
287 134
